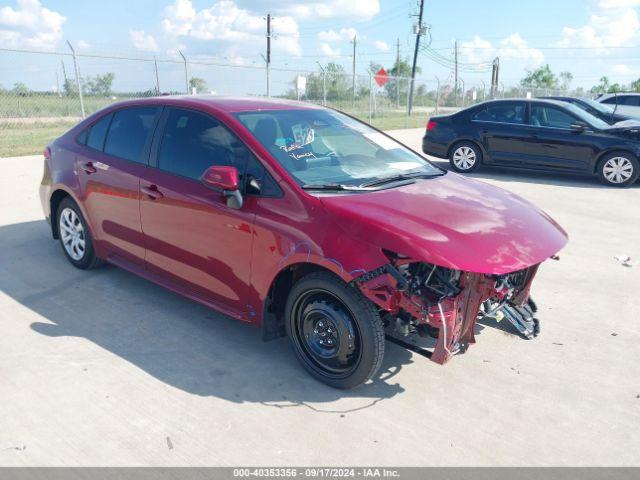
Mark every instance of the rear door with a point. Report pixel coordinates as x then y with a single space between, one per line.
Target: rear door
554 144
109 168
504 131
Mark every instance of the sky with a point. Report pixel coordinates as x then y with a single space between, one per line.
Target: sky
589 38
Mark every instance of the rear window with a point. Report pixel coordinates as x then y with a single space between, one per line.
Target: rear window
129 132
98 132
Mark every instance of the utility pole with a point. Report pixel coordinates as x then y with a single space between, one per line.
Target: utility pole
64 75
419 32
186 74
456 73
268 55
495 73
397 69
353 72
155 67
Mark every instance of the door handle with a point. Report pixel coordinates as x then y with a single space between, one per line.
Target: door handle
88 168
152 192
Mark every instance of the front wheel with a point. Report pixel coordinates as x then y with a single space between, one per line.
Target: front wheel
618 169
337 334
465 157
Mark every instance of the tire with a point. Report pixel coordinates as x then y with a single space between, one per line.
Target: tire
465 157
337 334
75 237
618 169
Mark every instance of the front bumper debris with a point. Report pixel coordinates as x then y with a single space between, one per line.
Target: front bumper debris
421 299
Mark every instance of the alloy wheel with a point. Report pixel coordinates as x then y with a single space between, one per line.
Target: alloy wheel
72 234
464 158
617 170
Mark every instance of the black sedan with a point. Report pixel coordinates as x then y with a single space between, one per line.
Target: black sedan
538 135
604 112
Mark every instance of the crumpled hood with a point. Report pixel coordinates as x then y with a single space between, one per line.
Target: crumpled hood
452 221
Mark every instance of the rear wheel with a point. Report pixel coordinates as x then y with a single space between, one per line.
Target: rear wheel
465 157
336 333
75 237
618 169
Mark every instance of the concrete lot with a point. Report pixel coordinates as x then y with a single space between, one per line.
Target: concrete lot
104 368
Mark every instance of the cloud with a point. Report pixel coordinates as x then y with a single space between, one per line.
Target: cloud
381 46
345 34
30 25
512 47
225 21
328 51
355 10
621 69
83 45
613 23
143 41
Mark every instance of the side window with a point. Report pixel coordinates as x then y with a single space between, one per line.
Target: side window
98 132
129 132
257 180
629 100
547 116
610 100
192 142
503 113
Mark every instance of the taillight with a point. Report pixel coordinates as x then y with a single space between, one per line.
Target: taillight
431 125
47 153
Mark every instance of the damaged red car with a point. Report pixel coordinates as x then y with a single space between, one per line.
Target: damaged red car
300 220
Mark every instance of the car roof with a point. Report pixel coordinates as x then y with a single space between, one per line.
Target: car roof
532 100
225 104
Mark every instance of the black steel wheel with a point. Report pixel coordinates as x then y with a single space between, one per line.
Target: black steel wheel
336 333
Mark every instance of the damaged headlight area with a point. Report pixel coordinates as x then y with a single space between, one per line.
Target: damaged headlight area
418 298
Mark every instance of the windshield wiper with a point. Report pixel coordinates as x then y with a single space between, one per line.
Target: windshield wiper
330 186
400 178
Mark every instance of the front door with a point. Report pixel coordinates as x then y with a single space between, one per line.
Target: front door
554 144
192 237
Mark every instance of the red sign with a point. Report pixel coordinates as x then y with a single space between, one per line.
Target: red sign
381 77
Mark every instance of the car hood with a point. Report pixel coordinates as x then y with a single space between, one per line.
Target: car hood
451 221
625 125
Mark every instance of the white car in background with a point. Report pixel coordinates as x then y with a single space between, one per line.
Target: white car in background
624 103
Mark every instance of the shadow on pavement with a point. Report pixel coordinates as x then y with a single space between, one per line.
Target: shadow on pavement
513 175
177 341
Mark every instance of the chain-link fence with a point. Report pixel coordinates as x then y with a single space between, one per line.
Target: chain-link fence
45 93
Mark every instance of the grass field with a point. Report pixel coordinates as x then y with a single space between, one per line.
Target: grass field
29 139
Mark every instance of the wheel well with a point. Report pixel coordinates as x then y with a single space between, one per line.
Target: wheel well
274 305
458 142
54 202
610 152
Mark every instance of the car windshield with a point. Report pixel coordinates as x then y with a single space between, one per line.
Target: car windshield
587 117
600 107
325 149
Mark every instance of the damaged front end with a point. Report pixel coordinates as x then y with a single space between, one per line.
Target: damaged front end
427 300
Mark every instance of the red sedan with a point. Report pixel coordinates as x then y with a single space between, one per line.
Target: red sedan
298 219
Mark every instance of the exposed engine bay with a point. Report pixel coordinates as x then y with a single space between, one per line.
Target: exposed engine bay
426 300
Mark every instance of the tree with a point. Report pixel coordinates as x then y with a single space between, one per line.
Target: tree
602 87
99 84
565 80
635 85
21 89
397 88
541 77
199 84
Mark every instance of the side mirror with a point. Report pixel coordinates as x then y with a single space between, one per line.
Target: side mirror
225 179
578 127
